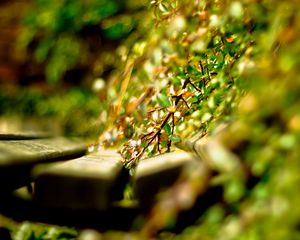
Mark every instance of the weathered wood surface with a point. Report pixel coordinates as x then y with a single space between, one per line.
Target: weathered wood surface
154 174
214 154
199 141
89 182
24 135
20 152
17 157
85 192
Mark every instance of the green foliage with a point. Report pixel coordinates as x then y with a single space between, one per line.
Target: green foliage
234 62
29 231
189 63
75 110
56 32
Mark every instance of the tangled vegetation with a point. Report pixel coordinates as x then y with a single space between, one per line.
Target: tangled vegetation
210 62
190 70
183 69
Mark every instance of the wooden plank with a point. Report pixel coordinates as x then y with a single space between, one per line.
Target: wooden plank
17 157
199 138
217 157
89 182
18 152
188 144
154 174
24 135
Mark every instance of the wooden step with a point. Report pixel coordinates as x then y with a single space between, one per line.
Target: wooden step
24 135
17 157
157 173
216 156
89 182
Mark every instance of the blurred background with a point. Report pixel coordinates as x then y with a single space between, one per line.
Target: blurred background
57 59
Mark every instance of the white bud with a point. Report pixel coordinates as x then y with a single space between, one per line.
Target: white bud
177 114
99 84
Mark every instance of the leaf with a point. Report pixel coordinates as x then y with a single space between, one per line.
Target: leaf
163 100
176 81
174 138
164 144
194 99
187 94
234 190
132 105
168 129
43 49
163 7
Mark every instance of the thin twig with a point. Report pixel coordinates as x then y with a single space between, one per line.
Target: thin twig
194 86
153 137
201 67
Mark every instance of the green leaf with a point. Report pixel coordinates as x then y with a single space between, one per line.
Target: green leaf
194 99
43 49
168 129
163 100
176 81
234 190
164 144
174 138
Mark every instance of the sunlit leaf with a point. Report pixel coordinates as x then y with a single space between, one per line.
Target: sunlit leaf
174 138
163 100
